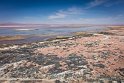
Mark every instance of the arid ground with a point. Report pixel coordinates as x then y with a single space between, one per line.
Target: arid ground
83 58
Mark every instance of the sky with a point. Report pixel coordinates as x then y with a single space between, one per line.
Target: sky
62 11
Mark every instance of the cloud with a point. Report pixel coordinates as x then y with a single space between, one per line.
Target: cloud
95 3
74 10
64 13
57 15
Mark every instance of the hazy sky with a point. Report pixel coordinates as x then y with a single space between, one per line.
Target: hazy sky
62 11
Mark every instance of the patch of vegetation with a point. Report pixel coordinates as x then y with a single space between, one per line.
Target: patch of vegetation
91 44
106 33
99 65
58 37
104 54
84 34
74 61
62 37
116 27
11 37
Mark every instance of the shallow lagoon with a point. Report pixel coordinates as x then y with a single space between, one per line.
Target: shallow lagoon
42 33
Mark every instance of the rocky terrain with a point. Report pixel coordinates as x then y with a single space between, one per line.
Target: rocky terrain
83 58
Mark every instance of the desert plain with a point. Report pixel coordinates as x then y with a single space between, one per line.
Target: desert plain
84 57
